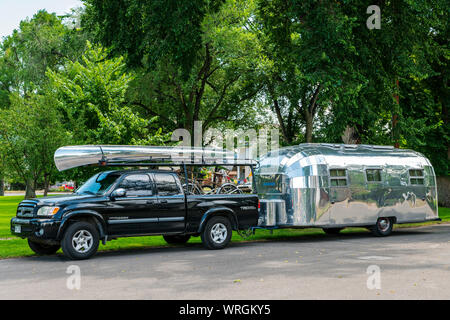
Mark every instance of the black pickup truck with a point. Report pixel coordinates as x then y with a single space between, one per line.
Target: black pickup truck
126 203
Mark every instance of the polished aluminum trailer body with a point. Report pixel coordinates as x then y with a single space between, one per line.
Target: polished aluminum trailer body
337 185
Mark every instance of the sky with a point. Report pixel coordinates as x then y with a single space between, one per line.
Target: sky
13 11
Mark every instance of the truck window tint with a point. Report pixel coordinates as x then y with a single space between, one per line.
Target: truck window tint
373 175
166 184
98 184
338 177
416 177
137 185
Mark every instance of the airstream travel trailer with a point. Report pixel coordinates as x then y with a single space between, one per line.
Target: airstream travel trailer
332 186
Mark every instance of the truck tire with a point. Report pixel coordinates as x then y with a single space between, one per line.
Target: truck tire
383 227
177 239
43 249
217 233
332 230
80 241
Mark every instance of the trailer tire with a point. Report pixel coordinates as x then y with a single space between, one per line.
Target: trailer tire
383 227
332 231
177 239
217 233
43 249
81 235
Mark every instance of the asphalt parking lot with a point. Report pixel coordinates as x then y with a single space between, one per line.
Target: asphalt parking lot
413 263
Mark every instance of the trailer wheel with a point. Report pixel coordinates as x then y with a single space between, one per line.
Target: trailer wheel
383 227
178 239
80 241
43 249
332 230
217 233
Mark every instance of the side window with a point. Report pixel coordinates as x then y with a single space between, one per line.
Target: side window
338 177
416 177
166 184
137 185
373 175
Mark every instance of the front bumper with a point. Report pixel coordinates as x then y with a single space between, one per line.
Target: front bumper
44 229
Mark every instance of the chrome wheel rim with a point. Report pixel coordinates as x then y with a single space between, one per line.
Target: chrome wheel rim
219 233
82 241
384 224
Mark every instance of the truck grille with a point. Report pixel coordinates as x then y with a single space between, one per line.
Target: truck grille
26 209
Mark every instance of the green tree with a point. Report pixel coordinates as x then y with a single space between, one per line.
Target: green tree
194 64
31 130
311 48
39 43
152 30
91 94
389 86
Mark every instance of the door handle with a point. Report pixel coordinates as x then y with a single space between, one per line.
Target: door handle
163 201
151 201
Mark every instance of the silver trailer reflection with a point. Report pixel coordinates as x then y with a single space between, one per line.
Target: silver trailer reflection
332 186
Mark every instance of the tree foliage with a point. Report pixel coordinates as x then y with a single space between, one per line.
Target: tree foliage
31 131
91 94
215 83
152 30
311 68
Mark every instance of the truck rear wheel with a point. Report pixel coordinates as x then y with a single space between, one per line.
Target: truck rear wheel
43 249
217 233
80 241
383 227
178 239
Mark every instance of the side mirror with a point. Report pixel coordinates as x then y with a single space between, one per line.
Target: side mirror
118 193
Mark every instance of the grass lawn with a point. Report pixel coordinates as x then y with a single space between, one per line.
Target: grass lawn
11 246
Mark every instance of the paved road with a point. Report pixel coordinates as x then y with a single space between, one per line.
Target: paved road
414 264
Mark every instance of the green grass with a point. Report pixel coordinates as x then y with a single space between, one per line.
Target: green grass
16 247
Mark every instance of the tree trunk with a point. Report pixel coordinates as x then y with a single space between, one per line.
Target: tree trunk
309 127
46 184
2 186
30 191
310 113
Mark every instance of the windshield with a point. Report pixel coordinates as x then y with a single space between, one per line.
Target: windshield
99 183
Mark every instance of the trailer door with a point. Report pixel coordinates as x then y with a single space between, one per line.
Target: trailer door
339 193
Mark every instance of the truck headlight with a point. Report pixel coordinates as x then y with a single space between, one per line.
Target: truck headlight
47 211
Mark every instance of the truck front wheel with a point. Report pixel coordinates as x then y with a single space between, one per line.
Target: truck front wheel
80 241
217 233
43 249
178 239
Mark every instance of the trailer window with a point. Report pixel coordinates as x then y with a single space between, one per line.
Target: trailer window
338 177
373 175
416 177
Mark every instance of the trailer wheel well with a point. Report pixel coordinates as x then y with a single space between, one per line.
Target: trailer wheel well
393 219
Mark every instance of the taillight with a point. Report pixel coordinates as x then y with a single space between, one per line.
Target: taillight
259 204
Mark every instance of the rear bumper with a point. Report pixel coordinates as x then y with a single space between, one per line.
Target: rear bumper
43 229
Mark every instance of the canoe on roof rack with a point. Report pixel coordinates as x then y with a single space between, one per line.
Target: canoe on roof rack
69 157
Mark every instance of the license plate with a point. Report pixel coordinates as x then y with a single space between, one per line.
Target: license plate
17 229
